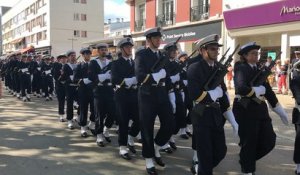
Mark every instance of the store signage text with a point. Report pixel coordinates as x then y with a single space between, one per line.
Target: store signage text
287 10
172 36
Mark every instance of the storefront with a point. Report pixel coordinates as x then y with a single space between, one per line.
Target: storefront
188 33
274 26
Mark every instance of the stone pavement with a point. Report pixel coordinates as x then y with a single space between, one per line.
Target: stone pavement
33 142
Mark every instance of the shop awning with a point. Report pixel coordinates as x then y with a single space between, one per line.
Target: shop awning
17 40
27 49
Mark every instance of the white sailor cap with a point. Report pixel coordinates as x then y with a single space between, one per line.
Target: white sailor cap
153 32
101 45
181 54
85 50
125 41
297 52
69 52
247 47
61 56
170 45
209 40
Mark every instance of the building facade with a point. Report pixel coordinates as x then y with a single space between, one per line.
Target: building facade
190 19
51 26
273 24
3 10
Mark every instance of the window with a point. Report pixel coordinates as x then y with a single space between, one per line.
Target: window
44 34
44 2
83 17
76 1
76 16
84 34
168 9
76 33
83 1
44 20
33 38
32 8
39 36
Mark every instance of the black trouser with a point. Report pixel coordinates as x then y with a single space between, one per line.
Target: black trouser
16 80
180 115
152 103
70 94
48 85
25 84
257 139
127 108
37 82
61 97
85 94
8 80
104 108
209 140
297 145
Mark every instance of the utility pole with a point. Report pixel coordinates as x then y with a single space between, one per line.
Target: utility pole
72 39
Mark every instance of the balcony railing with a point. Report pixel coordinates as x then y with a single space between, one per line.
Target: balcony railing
140 25
165 20
200 12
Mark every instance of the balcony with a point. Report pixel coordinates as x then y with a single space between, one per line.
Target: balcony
164 20
139 25
199 12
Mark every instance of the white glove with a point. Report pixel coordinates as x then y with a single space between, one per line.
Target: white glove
39 68
230 117
183 96
103 77
130 81
173 101
259 90
216 93
71 77
185 82
49 71
31 78
24 70
282 114
175 78
86 81
159 75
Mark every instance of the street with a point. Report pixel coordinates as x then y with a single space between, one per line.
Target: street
34 142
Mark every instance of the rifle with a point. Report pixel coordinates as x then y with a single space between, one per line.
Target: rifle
162 61
258 79
218 75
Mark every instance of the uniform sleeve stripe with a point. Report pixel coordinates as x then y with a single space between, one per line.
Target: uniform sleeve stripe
202 96
250 93
146 79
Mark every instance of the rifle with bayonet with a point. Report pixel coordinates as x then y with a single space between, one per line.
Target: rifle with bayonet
259 79
217 77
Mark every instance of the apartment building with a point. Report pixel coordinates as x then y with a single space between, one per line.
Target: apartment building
190 19
273 24
3 10
51 26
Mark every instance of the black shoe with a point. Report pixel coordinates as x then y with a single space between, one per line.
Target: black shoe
107 139
151 171
100 144
172 145
125 156
189 134
84 134
193 169
132 149
184 136
140 140
159 161
93 132
167 150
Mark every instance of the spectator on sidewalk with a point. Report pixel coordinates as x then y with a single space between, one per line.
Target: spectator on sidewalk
282 78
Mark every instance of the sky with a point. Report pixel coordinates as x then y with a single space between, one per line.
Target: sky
112 8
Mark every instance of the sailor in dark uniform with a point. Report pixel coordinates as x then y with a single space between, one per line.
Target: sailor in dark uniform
85 92
126 97
211 106
59 85
295 88
47 77
37 76
257 137
100 75
153 99
67 76
24 78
